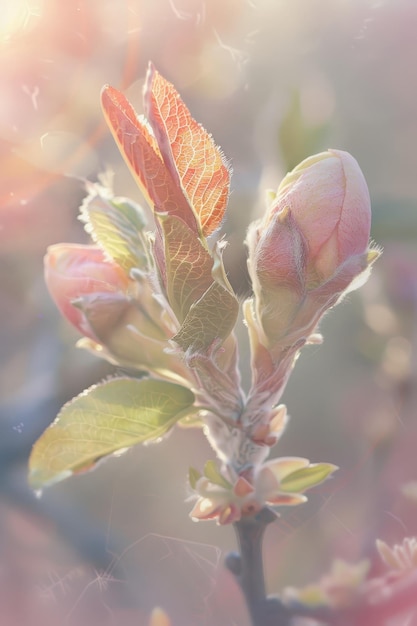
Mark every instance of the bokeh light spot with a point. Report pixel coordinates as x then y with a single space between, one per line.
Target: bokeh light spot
17 16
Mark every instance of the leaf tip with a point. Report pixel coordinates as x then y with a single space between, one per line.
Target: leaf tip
147 86
151 71
105 92
39 479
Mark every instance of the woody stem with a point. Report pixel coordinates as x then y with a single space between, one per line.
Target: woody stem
247 567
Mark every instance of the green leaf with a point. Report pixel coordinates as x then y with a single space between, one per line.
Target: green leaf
188 265
192 419
116 225
211 471
210 318
104 419
193 476
308 477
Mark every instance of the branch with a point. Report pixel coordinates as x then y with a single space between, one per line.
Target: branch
391 600
247 567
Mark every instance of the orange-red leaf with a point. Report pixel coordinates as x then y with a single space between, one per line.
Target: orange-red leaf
143 157
188 151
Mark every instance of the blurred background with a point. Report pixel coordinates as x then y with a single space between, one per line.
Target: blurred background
274 81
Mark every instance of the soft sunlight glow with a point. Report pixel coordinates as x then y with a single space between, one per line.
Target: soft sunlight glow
16 16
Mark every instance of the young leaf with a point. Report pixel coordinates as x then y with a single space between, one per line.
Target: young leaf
193 476
188 266
211 471
115 224
210 318
104 419
142 155
307 477
188 151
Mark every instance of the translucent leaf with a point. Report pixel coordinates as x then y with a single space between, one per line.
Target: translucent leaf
188 266
307 477
284 466
142 155
116 225
273 473
188 151
191 420
286 499
211 318
193 476
211 471
104 419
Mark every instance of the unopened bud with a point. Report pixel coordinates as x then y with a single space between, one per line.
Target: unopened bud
73 271
311 245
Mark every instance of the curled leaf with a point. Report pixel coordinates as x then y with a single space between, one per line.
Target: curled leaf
116 225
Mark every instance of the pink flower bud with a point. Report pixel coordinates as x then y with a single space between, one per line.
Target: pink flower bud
73 271
118 315
328 203
310 247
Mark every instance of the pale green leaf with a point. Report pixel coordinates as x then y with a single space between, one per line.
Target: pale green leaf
193 476
211 471
188 265
192 419
116 224
104 419
307 477
211 318
284 466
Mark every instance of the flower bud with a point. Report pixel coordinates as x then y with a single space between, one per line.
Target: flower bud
73 271
118 316
281 482
311 244
328 199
